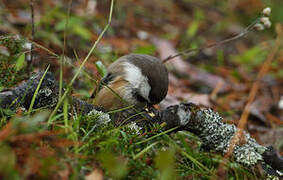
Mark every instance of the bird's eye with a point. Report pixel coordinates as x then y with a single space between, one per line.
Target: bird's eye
109 77
139 97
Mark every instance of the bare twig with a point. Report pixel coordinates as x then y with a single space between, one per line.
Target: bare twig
66 25
29 61
225 41
264 69
62 59
238 137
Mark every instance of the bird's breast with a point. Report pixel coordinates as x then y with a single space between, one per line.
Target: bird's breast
117 94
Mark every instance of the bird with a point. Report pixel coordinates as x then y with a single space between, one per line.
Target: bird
137 80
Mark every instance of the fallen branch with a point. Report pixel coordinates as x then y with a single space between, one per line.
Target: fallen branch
205 123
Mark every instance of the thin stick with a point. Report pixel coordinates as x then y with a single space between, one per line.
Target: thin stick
264 69
66 25
46 49
189 51
238 137
29 61
62 59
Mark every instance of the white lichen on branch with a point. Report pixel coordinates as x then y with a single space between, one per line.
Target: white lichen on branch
101 117
217 136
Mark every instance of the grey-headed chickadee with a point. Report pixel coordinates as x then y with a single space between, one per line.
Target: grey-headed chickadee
133 79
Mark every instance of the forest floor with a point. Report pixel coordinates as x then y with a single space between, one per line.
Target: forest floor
229 78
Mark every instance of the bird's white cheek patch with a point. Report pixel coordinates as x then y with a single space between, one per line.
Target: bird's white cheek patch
135 77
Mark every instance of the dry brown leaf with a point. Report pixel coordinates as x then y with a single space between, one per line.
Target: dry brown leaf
165 49
96 174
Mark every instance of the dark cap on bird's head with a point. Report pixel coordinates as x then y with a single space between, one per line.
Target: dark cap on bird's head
136 78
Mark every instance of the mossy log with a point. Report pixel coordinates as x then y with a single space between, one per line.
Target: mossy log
205 123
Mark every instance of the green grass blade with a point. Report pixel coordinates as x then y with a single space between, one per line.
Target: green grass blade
82 65
95 43
157 135
144 150
36 91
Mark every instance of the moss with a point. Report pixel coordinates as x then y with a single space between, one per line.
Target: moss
9 73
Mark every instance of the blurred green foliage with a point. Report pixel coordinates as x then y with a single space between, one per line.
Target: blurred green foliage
251 58
150 50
